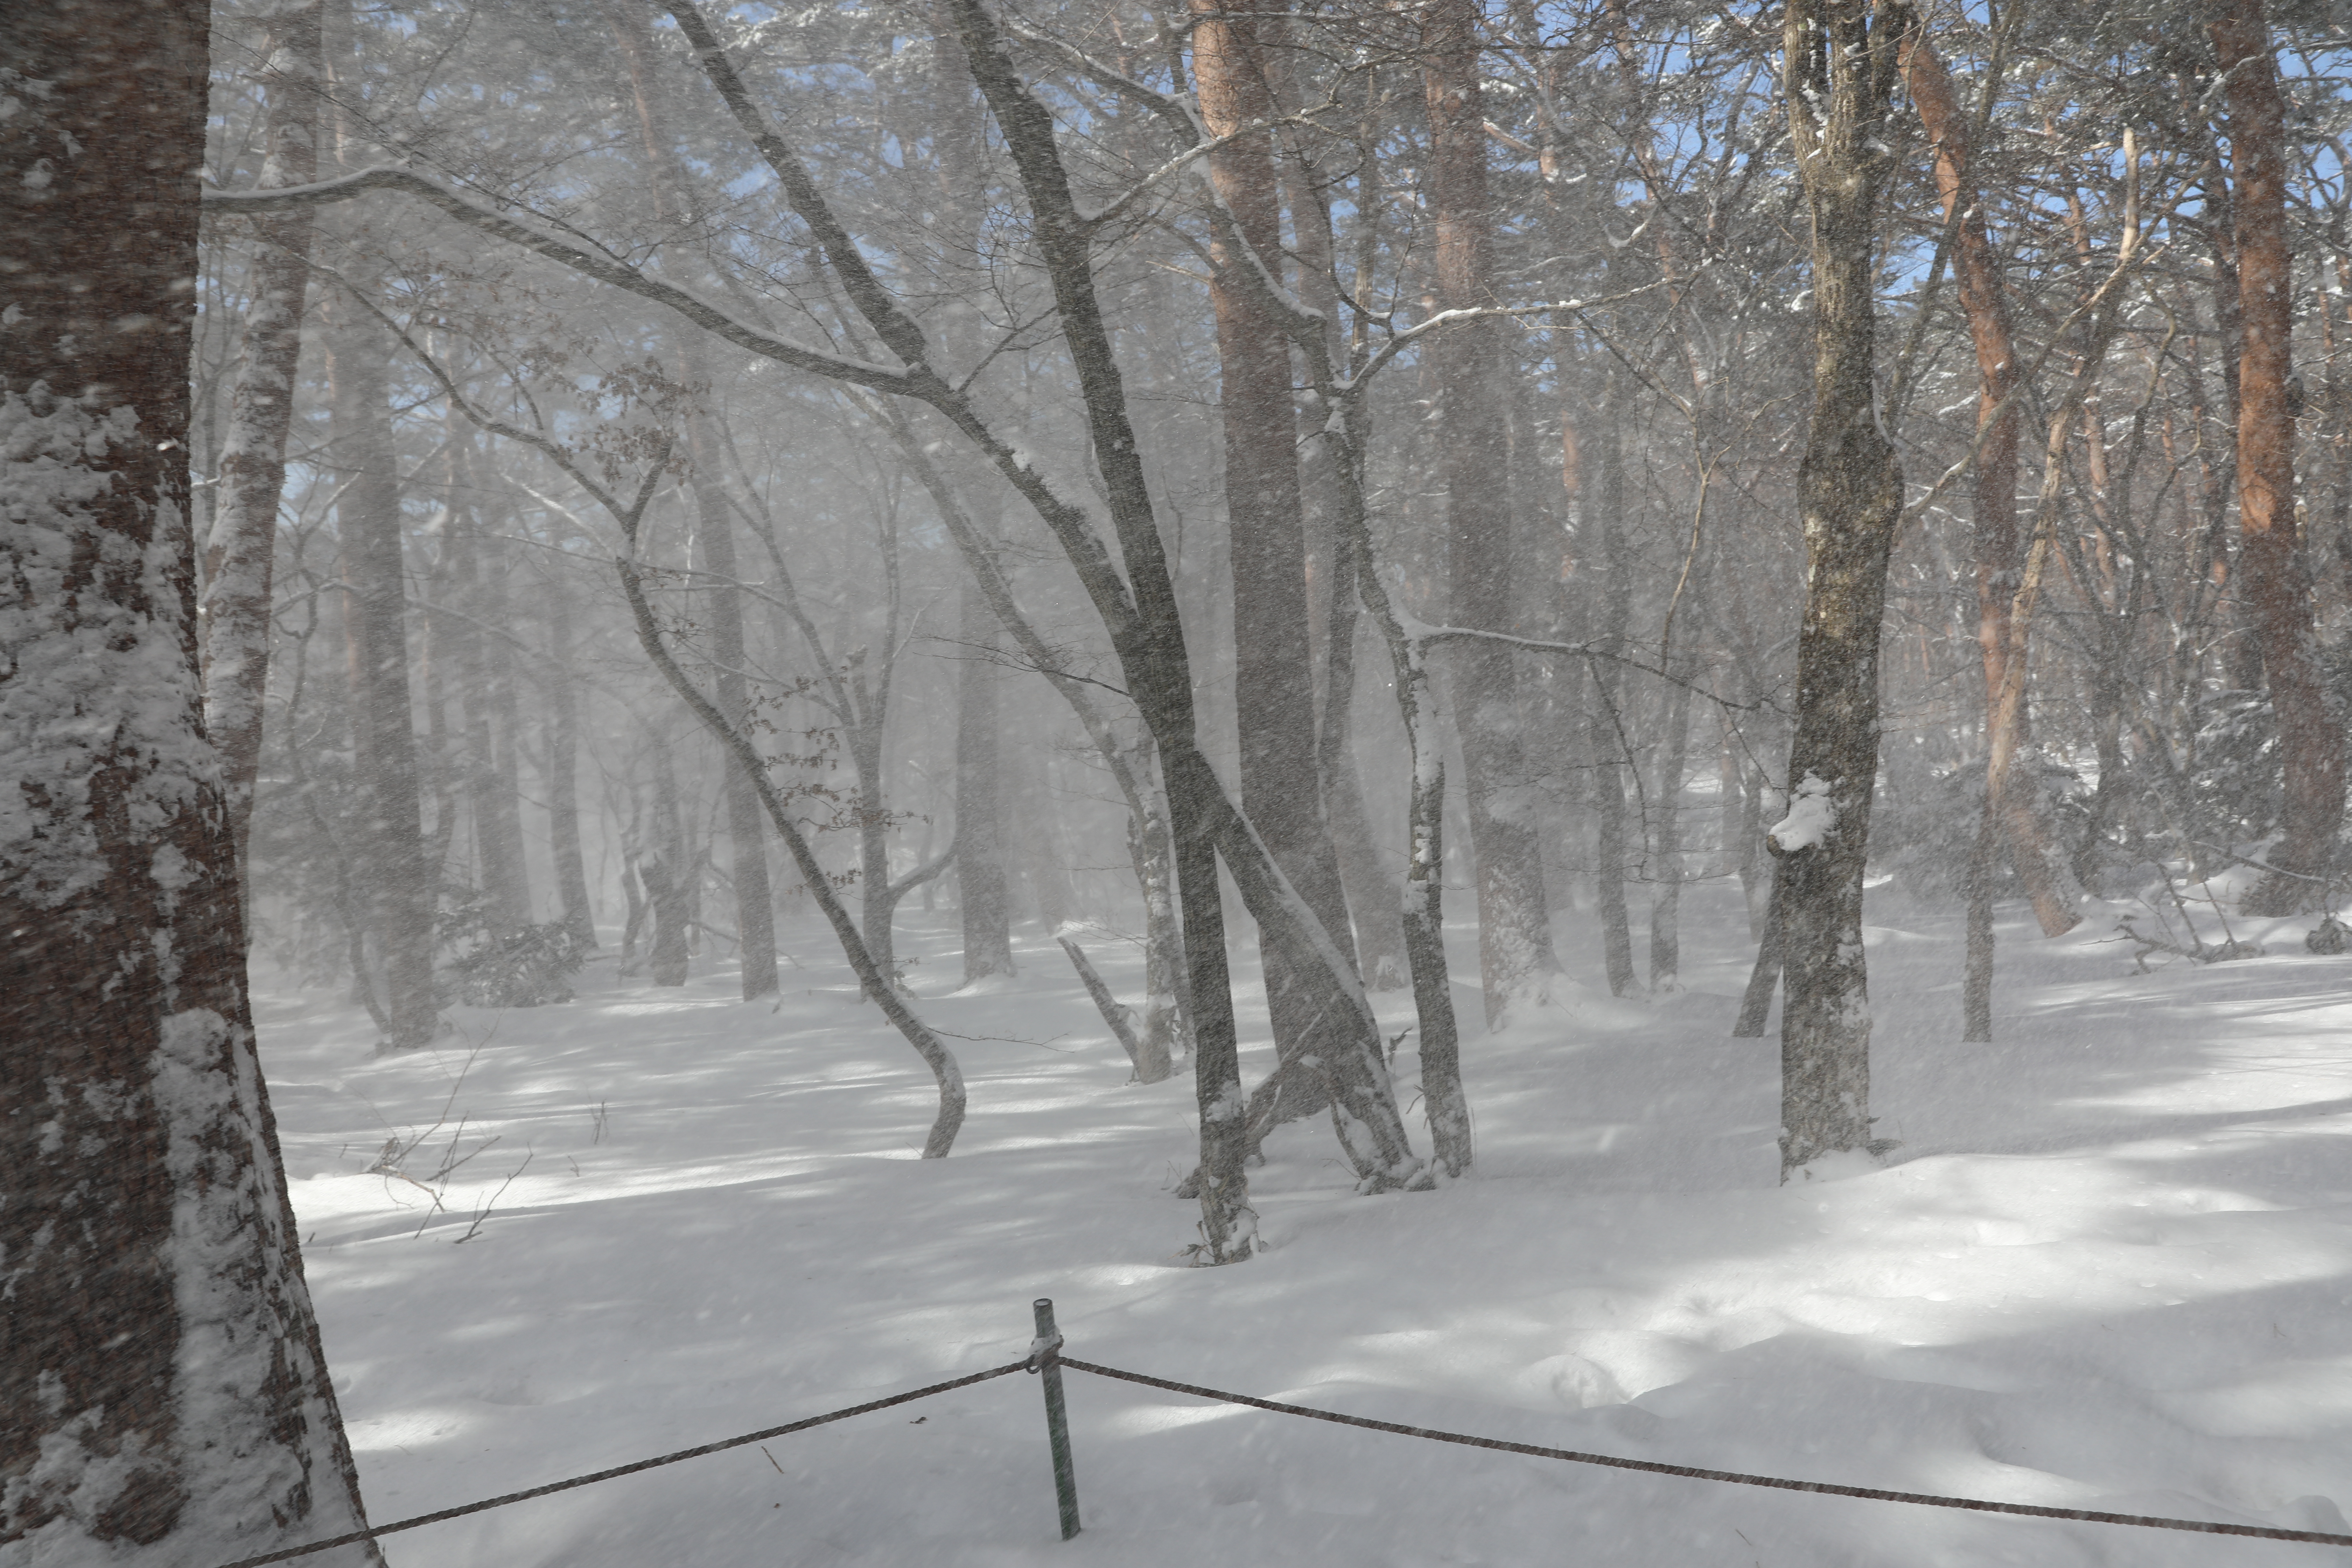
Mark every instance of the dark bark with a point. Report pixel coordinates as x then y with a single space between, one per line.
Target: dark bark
163 1391
1840 79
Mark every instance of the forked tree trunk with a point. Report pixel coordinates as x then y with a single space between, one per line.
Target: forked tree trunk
1514 950
1840 78
162 1393
2273 574
239 553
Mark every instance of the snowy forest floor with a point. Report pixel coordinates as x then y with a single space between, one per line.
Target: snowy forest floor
2109 1267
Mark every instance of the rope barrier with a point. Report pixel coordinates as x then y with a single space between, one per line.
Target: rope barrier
695 1453
1044 1356
1693 1472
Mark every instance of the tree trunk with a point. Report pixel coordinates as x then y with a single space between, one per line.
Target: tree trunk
238 556
747 831
1841 70
386 843
484 677
162 1394
1606 734
668 872
1667 860
1273 657
2272 572
980 840
1984 301
1515 951
562 741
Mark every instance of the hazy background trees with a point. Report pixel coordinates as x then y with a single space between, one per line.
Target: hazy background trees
2117 559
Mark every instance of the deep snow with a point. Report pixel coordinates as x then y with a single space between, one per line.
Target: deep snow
2109 1267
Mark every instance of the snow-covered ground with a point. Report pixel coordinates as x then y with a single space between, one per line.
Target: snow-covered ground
2110 1266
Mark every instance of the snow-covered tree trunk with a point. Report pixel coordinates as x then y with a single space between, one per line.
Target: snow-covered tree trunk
238 556
163 1394
1514 950
2273 572
1840 73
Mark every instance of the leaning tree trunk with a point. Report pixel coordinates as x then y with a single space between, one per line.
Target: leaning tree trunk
162 1393
2012 803
2272 572
1514 950
238 555
1840 79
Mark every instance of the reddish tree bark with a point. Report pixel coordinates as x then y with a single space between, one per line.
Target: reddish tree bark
1984 301
1273 657
1514 950
161 1386
2272 572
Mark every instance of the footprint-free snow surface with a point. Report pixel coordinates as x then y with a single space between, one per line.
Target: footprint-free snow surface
2109 1267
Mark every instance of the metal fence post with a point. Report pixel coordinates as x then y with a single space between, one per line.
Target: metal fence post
1044 1357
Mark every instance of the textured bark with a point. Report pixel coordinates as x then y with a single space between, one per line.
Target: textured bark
980 844
390 873
163 1394
238 555
1515 951
1841 69
1984 301
1274 656
2273 574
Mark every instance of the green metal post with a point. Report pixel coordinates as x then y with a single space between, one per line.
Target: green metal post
1044 1357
